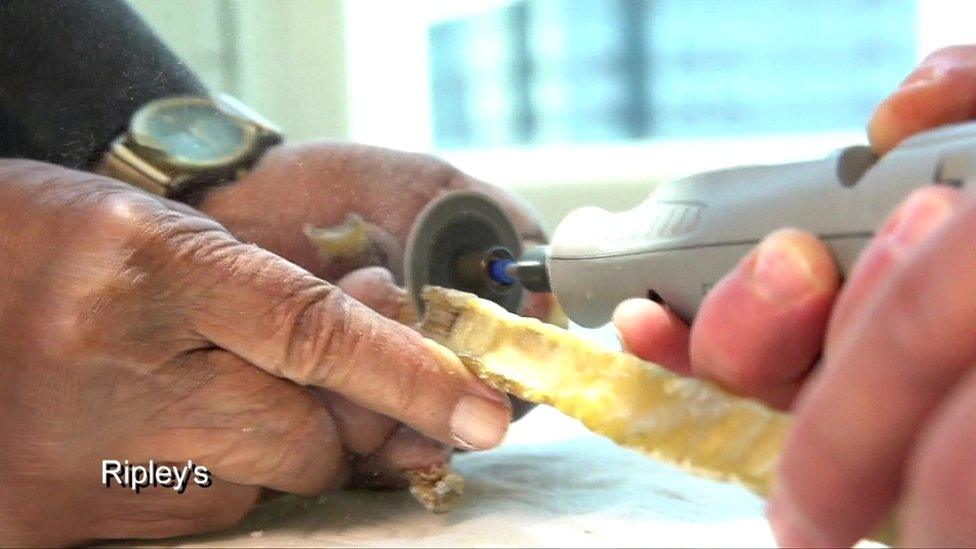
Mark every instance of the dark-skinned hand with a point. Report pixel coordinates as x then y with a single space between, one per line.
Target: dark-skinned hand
132 327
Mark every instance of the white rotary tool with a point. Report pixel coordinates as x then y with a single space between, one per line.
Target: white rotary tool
689 233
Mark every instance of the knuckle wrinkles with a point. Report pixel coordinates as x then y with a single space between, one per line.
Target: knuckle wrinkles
317 319
166 237
408 389
143 222
145 252
113 212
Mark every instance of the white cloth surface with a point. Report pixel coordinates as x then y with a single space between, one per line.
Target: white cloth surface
552 483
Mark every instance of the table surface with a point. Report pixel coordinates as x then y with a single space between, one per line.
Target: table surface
552 483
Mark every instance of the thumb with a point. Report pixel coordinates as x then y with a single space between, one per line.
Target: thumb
376 288
941 90
282 319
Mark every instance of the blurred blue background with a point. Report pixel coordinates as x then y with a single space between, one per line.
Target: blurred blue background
610 70
567 102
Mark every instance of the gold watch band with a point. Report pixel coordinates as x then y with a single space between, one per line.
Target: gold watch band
122 164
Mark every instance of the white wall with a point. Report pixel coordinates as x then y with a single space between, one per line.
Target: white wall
284 58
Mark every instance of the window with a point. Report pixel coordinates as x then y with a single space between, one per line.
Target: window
550 71
535 93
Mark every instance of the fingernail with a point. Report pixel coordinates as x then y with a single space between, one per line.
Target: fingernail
921 214
630 308
623 313
479 424
924 76
791 529
408 449
781 272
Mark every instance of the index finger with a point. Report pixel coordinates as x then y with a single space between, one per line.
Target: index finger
941 90
843 462
289 323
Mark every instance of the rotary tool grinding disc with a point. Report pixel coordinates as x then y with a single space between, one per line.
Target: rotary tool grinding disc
459 223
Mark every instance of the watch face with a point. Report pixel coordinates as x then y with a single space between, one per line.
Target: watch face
192 132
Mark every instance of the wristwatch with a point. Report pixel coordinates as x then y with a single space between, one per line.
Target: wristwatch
180 146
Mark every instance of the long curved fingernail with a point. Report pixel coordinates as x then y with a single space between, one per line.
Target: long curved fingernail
781 272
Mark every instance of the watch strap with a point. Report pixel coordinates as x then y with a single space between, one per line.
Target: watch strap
121 163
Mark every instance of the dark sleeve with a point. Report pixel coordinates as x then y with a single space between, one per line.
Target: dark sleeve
73 72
